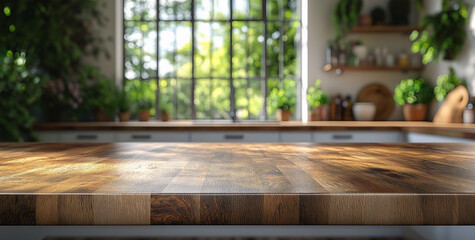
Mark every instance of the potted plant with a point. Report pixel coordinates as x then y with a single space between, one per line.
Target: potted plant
165 110
317 102
414 95
143 109
284 102
123 106
444 33
447 83
102 100
346 16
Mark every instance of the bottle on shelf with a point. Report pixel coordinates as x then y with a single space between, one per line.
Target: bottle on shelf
347 109
342 58
336 108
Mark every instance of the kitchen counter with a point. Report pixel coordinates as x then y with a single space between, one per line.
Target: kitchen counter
449 130
202 183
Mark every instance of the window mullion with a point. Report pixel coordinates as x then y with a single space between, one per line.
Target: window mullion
232 108
157 93
264 64
193 42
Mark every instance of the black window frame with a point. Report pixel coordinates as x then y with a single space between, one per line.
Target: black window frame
264 79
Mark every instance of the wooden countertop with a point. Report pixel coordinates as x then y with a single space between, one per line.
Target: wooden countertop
202 183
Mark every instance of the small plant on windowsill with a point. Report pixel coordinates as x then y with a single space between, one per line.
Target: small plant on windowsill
123 105
165 110
414 95
317 102
284 101
143 109
102 100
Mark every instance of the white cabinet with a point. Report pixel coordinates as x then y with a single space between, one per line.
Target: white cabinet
153 136
297 136
428 138
86 136
358 137
47 136
235 136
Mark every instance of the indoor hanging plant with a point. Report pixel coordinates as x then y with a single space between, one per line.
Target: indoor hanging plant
284 101
346 15
414 95
447 83
444 33
317 102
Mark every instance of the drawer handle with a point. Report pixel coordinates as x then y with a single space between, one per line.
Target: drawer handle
233 137
141 136
86 137
342 137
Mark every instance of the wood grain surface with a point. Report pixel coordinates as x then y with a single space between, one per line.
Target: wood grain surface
202 183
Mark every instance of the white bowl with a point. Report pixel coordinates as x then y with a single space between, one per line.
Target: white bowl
364 111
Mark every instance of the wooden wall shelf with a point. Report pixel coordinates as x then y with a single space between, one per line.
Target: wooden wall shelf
384 29
328 68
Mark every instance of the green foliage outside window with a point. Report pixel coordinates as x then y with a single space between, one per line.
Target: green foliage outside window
212 86
316 96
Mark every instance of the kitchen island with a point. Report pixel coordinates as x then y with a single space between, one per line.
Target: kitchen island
238 184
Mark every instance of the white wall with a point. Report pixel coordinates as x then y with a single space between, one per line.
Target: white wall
350 82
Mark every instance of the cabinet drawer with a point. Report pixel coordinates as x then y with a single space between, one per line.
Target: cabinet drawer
249 137
427 138
47 136
147 136
290 137
87 136
358 137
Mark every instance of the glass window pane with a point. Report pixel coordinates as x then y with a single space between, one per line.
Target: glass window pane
212 50
291 9
291 40
247 9
212 99
274 57
149 50
175 9
248 41
249 98
140 90
178 94
283 9
133 43
212 9
140 9
175 49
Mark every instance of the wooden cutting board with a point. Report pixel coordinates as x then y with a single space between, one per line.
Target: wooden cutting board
381 96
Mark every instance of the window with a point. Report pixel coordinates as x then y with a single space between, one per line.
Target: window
206 58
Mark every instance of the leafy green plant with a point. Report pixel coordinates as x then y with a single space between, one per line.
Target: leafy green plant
101 96
316 96
444 33
447 83
346 15
144 104
18 91
165 106
54 36
413 91
284 99
122 100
